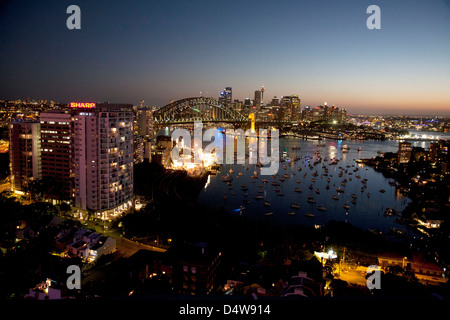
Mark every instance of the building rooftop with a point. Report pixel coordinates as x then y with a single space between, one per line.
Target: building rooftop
78 244
101 241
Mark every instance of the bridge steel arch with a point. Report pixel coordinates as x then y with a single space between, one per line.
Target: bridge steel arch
203 109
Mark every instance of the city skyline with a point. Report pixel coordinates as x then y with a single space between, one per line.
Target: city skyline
196 156
160 51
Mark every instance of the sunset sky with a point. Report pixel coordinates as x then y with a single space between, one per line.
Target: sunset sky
159 50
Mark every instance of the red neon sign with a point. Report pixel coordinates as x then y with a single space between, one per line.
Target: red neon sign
89 105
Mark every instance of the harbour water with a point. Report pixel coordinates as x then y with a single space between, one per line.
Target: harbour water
302 191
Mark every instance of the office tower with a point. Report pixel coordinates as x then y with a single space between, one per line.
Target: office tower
56 151
290 106
343 116
275 102
226 97
103 157
247 106
404 152
238 105
258 99
262 96
24 154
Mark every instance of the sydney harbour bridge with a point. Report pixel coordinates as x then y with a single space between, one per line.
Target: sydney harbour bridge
204 109
185 112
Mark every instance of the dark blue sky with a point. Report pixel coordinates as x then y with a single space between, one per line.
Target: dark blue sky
160 50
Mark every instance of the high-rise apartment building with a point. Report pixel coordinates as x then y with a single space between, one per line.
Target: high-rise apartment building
103 157
404 152
144 117
24 154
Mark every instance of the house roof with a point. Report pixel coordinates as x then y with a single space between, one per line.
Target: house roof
84 232
99 243
78 244
95 236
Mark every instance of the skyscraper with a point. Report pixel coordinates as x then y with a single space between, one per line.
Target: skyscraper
275 102
290 106
103 157
262 96
56 150
247 106
258 99
226 97
24 154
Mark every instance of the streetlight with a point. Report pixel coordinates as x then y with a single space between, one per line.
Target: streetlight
403 262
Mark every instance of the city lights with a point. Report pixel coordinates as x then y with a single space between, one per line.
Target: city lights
143 161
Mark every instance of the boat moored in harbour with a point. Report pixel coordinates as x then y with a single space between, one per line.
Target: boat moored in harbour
227 178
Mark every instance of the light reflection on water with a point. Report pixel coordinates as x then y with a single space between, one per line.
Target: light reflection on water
368 212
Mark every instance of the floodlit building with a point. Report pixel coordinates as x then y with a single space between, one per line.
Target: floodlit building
226 97
103 157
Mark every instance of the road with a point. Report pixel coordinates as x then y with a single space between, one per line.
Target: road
353 275
5 187
357 275
125 247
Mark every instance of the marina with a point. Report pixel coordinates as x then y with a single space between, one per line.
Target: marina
340 187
